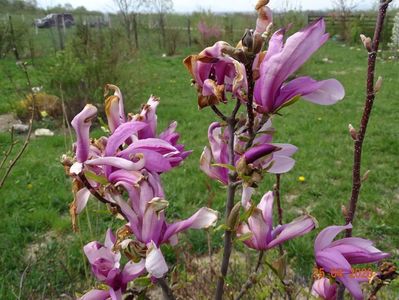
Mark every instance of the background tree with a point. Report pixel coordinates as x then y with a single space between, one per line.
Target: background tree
129 9
344 8
161 8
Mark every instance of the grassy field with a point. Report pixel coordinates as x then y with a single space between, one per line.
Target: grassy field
40 257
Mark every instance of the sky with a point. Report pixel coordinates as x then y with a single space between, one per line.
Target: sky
184 6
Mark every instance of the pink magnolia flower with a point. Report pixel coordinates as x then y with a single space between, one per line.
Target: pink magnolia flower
260 225
273 157
324 289
271 92
105 265
341 254
216 73
148 225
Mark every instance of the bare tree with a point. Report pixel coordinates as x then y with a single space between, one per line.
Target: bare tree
344 8
161 8
129 9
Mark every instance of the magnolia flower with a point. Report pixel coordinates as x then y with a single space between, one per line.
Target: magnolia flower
324 289
215 73
275 158
260 226
105 265
131 150
271 92
341 254
148 225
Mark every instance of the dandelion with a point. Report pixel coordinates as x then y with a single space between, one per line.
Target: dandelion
301 179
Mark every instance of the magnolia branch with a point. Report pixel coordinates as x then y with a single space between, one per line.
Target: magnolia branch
372 47
370 96
231 123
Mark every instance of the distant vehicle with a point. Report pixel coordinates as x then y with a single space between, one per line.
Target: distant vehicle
54 19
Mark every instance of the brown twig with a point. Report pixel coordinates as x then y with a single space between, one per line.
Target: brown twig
219 113
9 150
359 138
251 281
167 291
27 139
96 194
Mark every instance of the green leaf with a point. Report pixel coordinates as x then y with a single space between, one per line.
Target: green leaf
222 227
100 179
245 216
289 102
226 166
142 282
244 237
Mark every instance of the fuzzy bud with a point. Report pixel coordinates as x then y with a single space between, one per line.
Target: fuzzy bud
367 42
352 132
234 217
344 211
378 85
366 175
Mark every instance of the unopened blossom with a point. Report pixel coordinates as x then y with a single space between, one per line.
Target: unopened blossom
105 265
272 91
260 225
342 254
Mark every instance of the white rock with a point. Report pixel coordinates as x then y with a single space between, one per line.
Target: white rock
43 132
20 128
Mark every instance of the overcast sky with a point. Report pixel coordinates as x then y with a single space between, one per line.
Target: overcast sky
214 5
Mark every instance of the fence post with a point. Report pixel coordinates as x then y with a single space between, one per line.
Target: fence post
189 30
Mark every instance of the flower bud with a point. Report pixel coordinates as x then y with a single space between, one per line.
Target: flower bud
234 217
352 132
367 42
366 175
344 211
378 85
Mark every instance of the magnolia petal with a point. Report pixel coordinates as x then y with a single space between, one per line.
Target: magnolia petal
203 218
358 250
131 216
324 289
266 206
133 270
118 162
121 134
76 168
332 260
246 196
353 286
280 164
119 177
110 239
155 262
212 172
327 235
81 198
115 295
112 112
326 92
259 151
265 17
296 228
260 230
154 161
96 295
81 123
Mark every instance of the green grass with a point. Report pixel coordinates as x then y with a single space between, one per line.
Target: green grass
35 198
